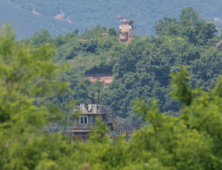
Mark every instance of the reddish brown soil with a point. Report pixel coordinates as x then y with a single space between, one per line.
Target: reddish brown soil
106 79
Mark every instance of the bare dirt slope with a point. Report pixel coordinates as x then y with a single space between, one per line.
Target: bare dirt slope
106 79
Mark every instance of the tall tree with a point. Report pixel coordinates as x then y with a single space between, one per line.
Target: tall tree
27 79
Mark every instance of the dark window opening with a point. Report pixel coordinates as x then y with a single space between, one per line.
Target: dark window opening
83 120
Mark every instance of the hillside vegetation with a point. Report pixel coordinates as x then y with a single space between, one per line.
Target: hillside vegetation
141 68
189 141
87 15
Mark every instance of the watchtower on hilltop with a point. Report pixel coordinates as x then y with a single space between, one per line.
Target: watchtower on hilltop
127 30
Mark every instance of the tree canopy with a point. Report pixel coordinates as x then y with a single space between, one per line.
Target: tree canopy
170 81
27 78
189 141
140 68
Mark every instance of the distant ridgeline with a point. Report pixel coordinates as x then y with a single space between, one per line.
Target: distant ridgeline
57 16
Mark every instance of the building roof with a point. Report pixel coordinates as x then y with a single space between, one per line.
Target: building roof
127 20
82 114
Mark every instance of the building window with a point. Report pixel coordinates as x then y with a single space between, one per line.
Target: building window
83 120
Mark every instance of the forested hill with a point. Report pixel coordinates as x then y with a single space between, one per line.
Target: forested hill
141 68
83 14
190 141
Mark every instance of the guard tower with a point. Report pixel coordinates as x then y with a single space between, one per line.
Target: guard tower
88 115
127 30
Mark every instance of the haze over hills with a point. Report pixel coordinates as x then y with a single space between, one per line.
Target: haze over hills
59 16
26 23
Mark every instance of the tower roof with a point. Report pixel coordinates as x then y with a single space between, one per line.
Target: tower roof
127 20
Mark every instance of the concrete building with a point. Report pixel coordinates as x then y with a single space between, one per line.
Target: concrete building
88 115
105 35
127 30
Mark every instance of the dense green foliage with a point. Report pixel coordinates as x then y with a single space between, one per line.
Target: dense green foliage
33 75
141 68
27 78
189 141
87 15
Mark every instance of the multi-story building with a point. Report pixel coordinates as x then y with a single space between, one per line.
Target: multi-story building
88 115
